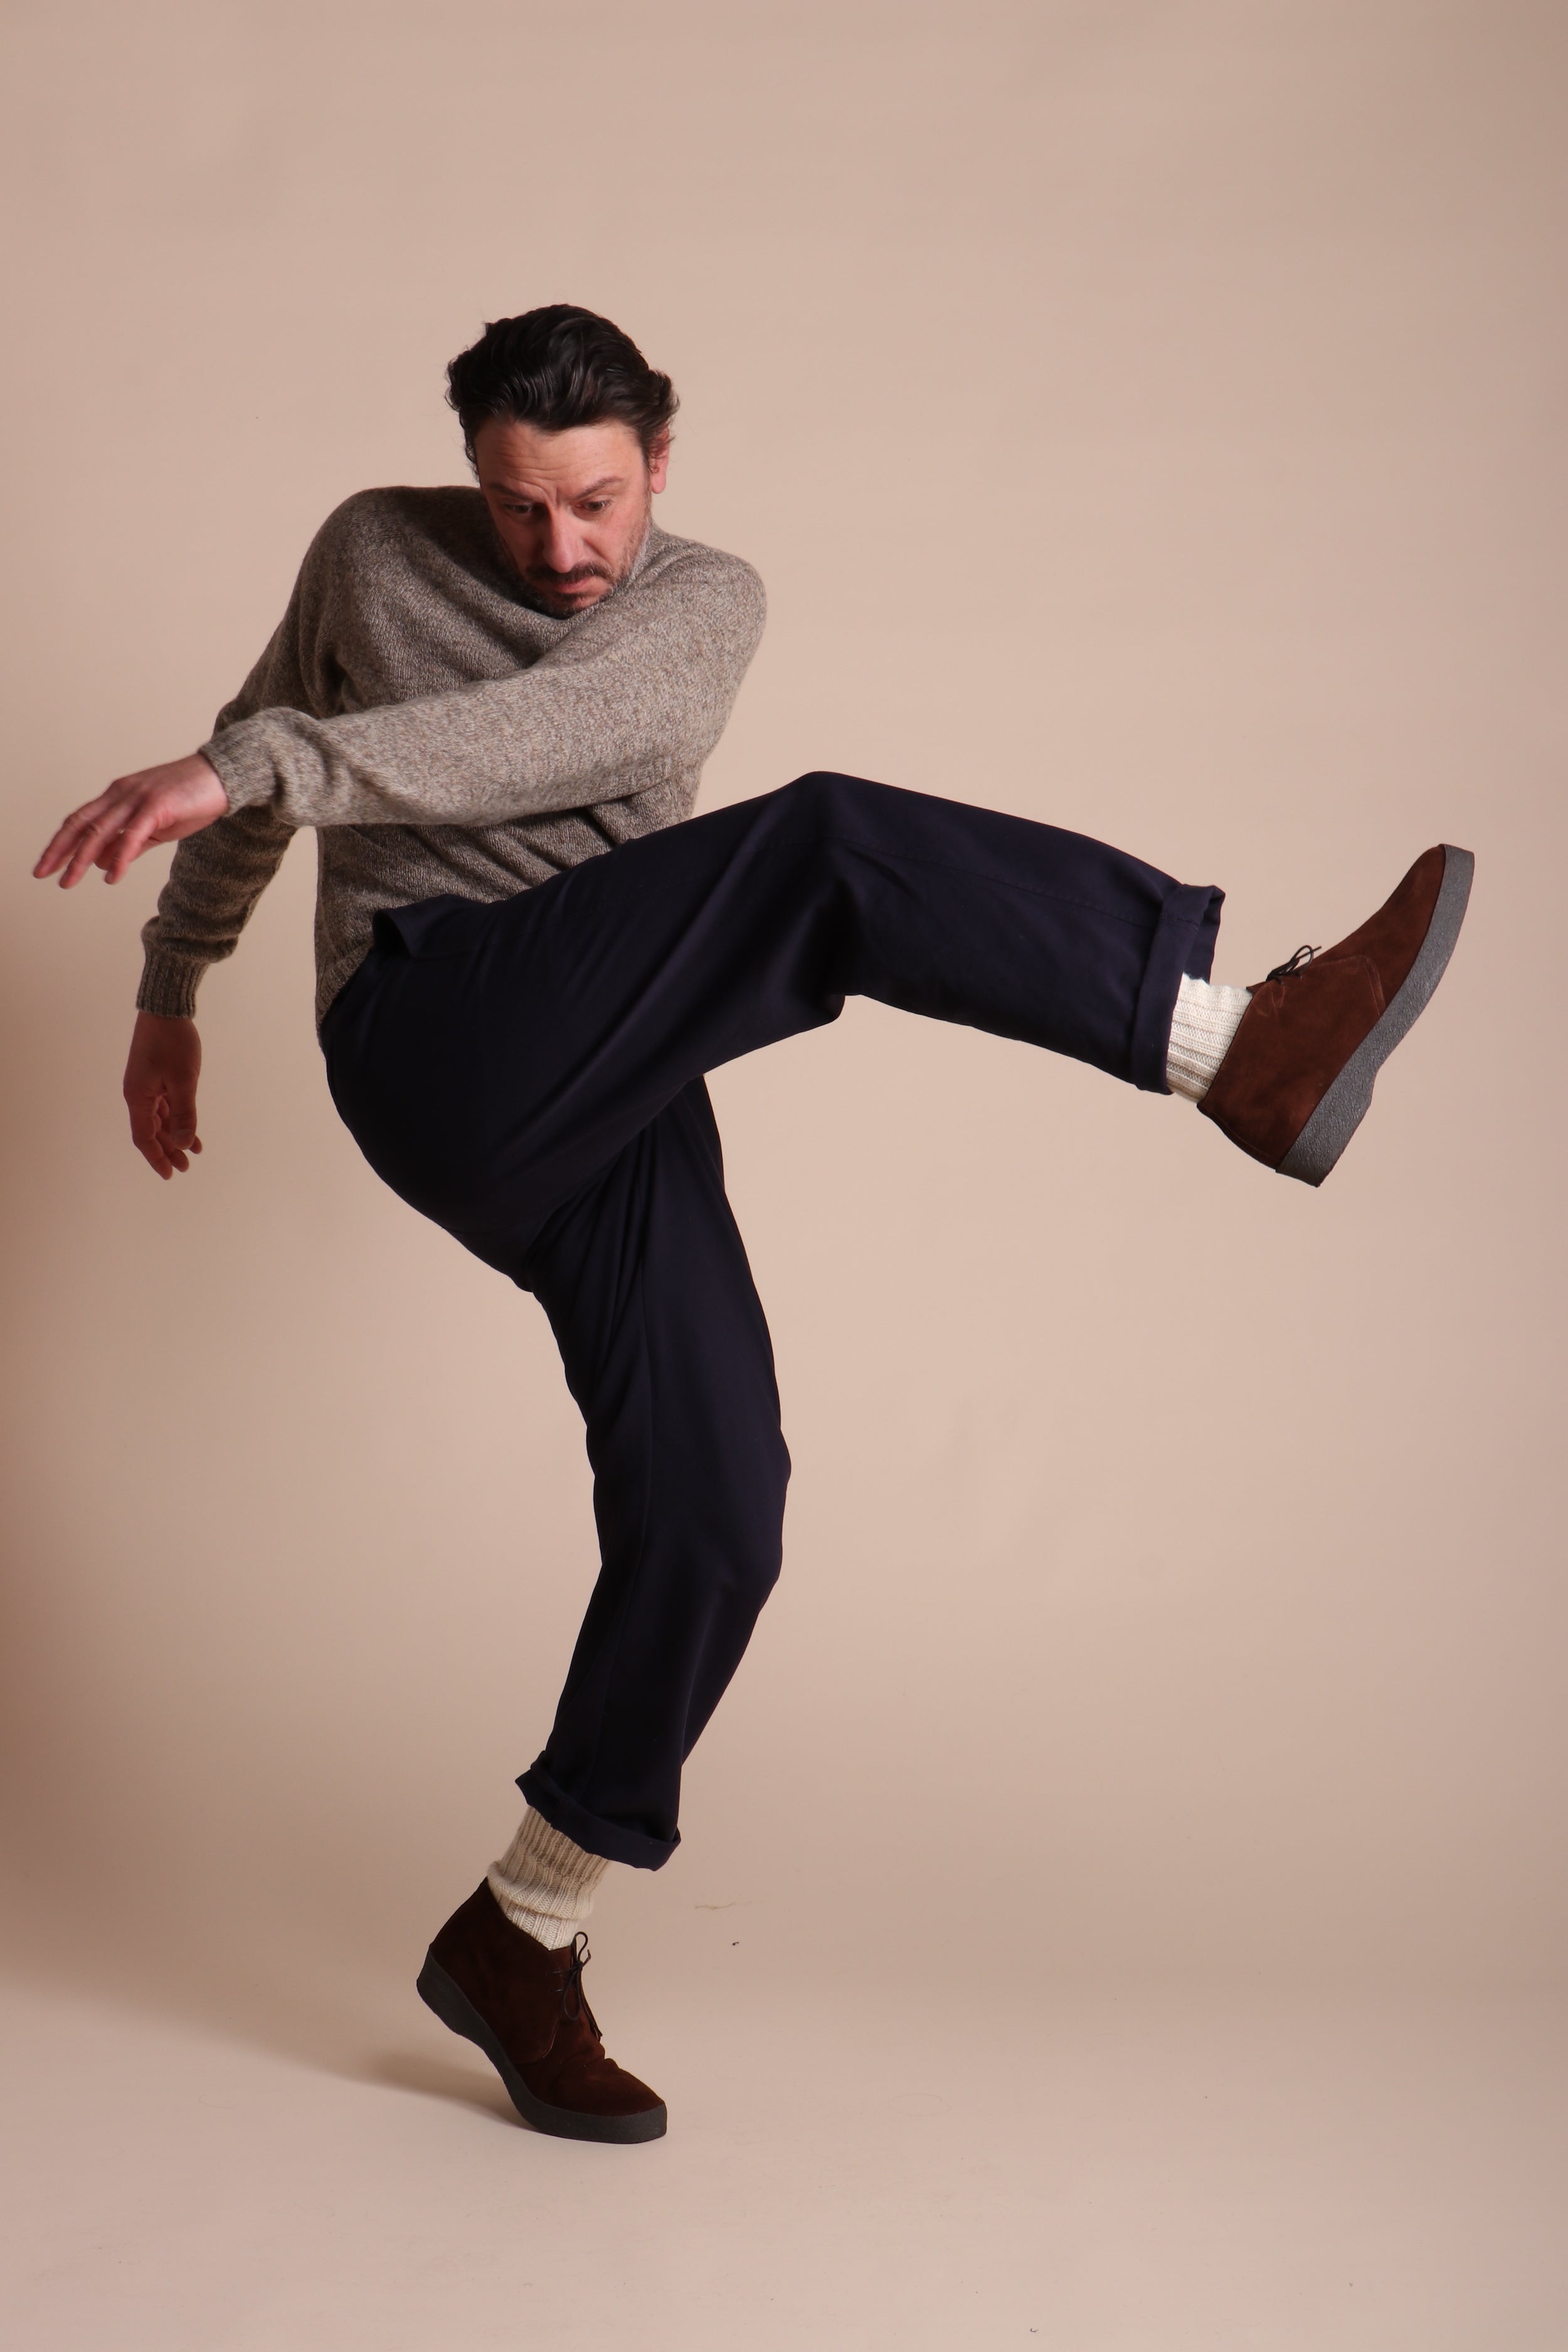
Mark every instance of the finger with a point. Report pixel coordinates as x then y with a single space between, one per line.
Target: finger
59 843
144 1132
67 835
137 836
177 1129
84 856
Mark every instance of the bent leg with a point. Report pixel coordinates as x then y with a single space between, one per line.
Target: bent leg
497 1057
645 1280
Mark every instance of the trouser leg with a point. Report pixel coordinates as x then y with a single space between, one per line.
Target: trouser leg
527 1072
645 1280
495 1059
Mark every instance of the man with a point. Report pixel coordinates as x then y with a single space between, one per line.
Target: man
493 706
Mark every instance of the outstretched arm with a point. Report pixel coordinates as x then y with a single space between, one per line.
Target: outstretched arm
634 692
135 813
640 689
181 797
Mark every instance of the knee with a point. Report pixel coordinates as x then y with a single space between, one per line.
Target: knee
749 1575
745 1540
820 801
751 1570
727 1571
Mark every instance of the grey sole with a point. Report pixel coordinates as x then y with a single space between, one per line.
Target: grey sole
1323 1138
455 2009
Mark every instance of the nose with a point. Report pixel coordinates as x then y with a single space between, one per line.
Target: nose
562 546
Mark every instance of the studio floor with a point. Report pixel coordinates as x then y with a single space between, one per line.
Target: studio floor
953 2166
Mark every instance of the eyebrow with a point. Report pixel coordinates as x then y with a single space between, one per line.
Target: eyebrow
604 482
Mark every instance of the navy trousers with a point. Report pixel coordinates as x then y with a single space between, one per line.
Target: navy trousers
530 1074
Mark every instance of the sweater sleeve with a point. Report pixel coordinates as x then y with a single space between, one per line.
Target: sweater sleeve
217 874
213 883
637 691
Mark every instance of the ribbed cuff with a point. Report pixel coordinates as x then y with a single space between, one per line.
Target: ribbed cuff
545 1883
244 765
637 1848
169 985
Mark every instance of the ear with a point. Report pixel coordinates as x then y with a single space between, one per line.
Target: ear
658 464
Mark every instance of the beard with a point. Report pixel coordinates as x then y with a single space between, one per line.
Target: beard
549 592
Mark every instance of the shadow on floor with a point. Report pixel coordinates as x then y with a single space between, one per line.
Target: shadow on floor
433 2078
324 1996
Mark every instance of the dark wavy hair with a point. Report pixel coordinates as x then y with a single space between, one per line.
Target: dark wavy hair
557 367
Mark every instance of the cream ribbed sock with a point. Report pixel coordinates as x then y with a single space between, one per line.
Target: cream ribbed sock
544 1884
1205 1021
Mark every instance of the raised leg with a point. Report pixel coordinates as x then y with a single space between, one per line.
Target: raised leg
492 1060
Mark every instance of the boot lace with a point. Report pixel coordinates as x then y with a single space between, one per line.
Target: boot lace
1299 963
573 2000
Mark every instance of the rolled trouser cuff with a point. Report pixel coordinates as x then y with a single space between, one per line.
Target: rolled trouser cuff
590 1831
1184 944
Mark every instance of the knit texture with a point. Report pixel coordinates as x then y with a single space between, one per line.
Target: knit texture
544 1884
1205 1020
441 735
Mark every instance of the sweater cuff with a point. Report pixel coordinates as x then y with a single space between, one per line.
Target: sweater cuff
244 765
169 985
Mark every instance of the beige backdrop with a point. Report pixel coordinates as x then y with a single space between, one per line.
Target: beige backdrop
1146 417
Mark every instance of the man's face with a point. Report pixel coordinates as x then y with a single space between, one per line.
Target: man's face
572 508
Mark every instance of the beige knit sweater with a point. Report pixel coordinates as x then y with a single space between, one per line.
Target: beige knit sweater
441 735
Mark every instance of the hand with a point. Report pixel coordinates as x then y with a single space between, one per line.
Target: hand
161 1091
136 812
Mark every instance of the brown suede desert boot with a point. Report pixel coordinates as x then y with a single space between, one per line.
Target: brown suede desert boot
524 2007
1298 1078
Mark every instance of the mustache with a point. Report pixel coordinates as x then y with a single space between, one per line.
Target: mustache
573 578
